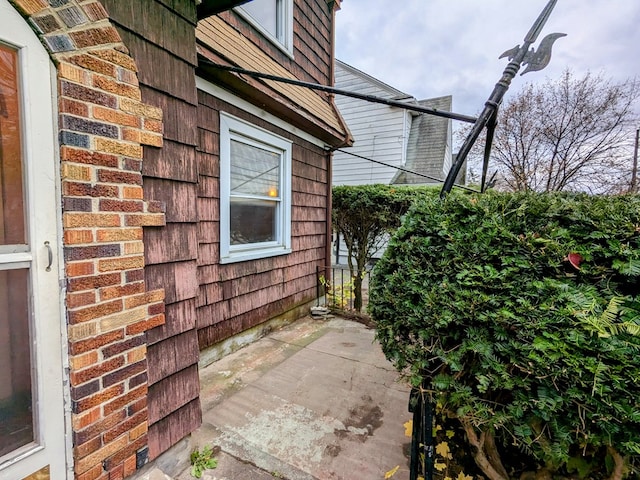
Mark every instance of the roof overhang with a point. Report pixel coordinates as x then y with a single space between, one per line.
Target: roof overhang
206 8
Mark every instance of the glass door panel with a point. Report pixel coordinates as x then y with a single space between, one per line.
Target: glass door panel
16 412
12 218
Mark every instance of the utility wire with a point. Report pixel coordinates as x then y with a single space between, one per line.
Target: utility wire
406 170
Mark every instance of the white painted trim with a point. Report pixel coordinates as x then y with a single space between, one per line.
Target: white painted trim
231 126
230 98
43 224
286 17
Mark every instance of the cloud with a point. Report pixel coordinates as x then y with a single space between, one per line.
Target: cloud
429 48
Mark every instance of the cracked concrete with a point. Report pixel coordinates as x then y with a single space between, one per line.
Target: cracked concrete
315 400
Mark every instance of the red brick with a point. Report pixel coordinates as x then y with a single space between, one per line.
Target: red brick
116 116
91 474
114 176
85 419
124 400
121 290
94 281
80 92
95 36
109 85
79 269
73 107
116 472
96 311
124 427
121 347
132 165
129 450
124 373
87 403
89 190
137 406
121 205
88 447
75 300
145 325
134 275
97 427
29 7
95 11
130 465
78 237
86 252
97 371
94 64
83 346
87 157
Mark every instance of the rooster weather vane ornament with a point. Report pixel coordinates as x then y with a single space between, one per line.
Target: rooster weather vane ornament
519 55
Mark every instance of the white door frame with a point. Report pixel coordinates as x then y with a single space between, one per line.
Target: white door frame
41 174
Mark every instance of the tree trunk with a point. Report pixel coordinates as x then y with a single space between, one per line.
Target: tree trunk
479 454
618 461
357 292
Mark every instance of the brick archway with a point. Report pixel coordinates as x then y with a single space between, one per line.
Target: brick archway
103 126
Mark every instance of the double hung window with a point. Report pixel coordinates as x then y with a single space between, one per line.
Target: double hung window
255 192
274 18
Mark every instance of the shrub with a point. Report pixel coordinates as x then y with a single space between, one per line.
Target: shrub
364 215
521 313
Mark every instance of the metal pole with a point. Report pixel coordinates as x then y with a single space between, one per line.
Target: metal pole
517 56
634 172
337 91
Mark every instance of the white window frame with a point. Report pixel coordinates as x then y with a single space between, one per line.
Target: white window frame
284 21
232 128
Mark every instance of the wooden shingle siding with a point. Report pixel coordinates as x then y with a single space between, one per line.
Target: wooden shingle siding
160 35
311 34
237 296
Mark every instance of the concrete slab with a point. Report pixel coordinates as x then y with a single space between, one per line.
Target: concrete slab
315 400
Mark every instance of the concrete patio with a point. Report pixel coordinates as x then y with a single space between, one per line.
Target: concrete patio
313 400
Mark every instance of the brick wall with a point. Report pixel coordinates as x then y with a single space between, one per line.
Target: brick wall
103 126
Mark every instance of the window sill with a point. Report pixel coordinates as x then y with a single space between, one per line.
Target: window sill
243 256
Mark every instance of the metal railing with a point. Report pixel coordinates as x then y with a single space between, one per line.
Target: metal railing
335 288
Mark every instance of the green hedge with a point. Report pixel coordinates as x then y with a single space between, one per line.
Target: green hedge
521 310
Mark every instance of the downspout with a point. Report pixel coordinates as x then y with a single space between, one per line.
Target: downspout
334 5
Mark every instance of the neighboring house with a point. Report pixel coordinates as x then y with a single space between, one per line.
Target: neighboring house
394 136
152 206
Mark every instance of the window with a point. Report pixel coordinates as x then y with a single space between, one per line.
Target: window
274 18
255 192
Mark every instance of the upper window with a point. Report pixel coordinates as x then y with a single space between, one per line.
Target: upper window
255 192
274 18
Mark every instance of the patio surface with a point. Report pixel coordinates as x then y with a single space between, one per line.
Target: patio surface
314 400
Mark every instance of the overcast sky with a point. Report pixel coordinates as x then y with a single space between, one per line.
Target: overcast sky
429 48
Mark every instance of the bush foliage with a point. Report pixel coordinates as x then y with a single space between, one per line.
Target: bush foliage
364 215
522 313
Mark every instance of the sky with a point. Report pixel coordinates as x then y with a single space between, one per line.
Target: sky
430 48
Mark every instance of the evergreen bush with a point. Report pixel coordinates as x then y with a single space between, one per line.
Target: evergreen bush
521 311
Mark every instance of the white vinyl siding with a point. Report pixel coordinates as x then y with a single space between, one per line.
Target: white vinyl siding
379 132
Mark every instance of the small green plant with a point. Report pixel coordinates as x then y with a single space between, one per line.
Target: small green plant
202 460
338 296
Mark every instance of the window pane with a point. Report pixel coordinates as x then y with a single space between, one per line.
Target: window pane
254 171
12 220
253 221
265 12
16 415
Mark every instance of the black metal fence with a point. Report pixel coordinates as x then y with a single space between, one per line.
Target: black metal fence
335 288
